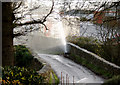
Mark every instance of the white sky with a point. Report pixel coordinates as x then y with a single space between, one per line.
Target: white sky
48 2
78 0
29 1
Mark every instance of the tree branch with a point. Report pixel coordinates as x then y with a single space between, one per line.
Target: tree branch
111 19
38 21
17 6
30 22
49 12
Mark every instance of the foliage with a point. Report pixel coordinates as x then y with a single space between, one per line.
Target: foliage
23 57
56 78
17 75
51 79
84 19
35 65
108 52
113 81
88 43
82 40
0 79
95 68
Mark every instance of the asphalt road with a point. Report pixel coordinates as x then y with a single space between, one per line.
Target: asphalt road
74 72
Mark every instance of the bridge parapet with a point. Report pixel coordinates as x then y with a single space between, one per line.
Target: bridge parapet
92 58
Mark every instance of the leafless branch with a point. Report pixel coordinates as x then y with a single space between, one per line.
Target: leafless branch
18 19
49 12
45 26
17 6
111 19
38 21
106 8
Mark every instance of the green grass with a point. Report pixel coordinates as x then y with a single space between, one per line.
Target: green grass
56 78
51 79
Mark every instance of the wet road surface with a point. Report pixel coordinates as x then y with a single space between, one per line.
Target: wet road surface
70 70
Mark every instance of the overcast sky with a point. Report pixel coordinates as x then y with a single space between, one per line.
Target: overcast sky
77 0
86 5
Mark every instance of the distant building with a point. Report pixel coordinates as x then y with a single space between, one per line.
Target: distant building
100 16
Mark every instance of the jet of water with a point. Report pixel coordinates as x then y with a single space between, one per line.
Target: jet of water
62 35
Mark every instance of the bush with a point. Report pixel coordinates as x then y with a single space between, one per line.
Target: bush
17 75
113 81
88 43
108 52
92 45
90 65
23 57
84 19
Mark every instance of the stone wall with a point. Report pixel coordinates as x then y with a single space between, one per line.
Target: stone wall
92 58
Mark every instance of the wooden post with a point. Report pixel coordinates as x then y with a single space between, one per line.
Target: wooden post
61 78
73 80
66 78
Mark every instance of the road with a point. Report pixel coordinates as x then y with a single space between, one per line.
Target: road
71 69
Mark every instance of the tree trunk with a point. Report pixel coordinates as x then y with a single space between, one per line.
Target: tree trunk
7 35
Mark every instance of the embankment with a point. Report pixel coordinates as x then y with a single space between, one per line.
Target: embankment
92 61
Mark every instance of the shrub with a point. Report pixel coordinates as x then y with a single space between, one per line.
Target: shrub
23 56
84 19
17 75
109 52
95 68
113 81
90 44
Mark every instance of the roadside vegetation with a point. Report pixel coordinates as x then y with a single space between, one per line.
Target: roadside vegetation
24 58
93 67
113 81
106 51
25 70
20 76
95 46
53 78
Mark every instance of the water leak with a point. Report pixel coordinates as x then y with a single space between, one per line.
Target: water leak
62 34
51 41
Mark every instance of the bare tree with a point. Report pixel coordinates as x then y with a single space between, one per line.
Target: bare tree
9 9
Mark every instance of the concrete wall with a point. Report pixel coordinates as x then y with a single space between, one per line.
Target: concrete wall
93 59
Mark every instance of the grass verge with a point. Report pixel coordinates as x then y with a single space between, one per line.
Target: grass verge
24 58
56 78
113 81
95 68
